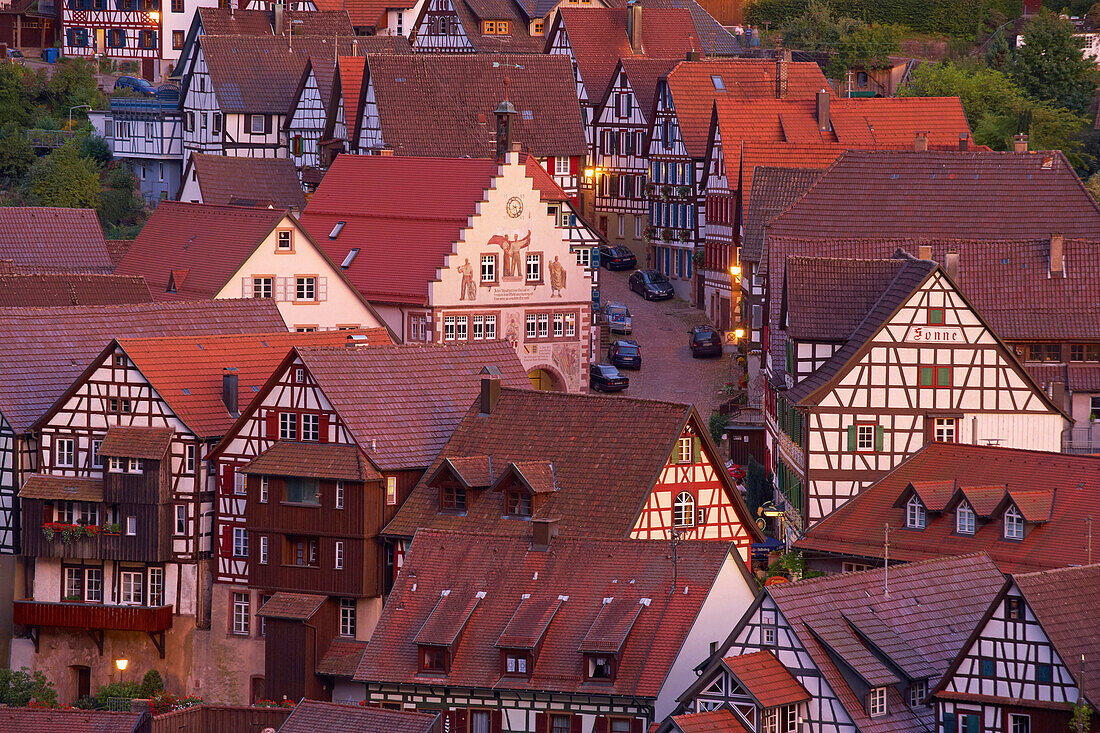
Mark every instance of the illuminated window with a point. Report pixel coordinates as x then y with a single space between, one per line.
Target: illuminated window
683 510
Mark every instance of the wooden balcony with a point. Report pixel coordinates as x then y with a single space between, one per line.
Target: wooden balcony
95 618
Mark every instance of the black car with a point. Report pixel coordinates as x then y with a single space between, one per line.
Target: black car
617 257
651 285
606 378
625 354
705 341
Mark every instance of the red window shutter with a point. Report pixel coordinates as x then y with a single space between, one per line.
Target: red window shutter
324 422
225 478
248 123
600 726
550 165
497 721
542 722
636 725
574 724
574 166
267 124
460 720
271 431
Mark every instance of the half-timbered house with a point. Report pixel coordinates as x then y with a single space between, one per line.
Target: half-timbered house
482 26
118 515
129 31
845 653
677 146
504 633
383 19
879 357
225 180
1030 663
498 463
246 252
489 250
148 135
1027 510
310 473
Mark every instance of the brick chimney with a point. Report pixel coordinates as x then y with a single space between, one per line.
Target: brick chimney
277 9
951 264
823 122
229 390
925 251
634 25
1057 256
490 394
1019 143
920 142
782 72
964 142
543 531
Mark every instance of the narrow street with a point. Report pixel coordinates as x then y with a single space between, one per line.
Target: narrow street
661 329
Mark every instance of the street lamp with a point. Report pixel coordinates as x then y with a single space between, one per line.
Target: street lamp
121 664
79 106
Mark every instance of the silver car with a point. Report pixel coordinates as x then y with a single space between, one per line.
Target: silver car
618 317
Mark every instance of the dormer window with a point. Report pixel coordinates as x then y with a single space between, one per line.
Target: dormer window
918 691
964 519
517 503
516 663
599 667
452 497
915 515
434 659
876 702
1014 524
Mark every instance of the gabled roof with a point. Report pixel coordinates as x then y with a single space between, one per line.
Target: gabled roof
529 623
971 195
448 618
600 485
766 679
401 403
29 720
43 290
292 606
315 460
694 90
186 371
130 441
713 38
832 296
1064 601
612 625
518 39
342 657
408 89
599 39
856 528
364 190
505 568
475 472
47 239
225 179
45 349
365 13
320 22
772 189
643 74
313 716
714 721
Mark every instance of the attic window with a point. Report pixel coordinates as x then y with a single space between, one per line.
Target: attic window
915 515
964 519
434 659
718 83
336 230
350 256
599 667
528 114
517 503
1014 524
876 702
452 497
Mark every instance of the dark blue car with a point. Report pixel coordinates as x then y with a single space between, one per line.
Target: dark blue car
135 84
625 354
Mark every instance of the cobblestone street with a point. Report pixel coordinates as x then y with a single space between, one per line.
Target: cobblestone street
661 329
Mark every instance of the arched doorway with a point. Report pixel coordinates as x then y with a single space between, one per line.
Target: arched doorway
545 379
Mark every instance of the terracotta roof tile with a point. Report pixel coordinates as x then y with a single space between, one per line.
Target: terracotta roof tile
934 494
539 476
408 89
713 38
517 40
405 401
366 13
44 290
772 189
1036 506
505 568
474 471
714 721
1064 601
317 460
312 716
320 22
448 618
364 190
127 441
766 679
612 626
25 720
982 499
856 527
528 625
68 488
116 249
292 606
187 371
45 239
226 179
351 83
643 74
342 657
45 349
832 296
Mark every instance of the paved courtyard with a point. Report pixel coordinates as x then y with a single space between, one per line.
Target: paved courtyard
661 329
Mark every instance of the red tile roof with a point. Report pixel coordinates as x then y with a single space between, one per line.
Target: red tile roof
408 89
292 606
187 371
365 13
600 486
715 721
351 83
1001 196
25 720
365 190
599 39
324 461
401 403
713 37
517 40
766 679
643 74
856 527
53 289
312 716
69 488
771 190
128 441
342 657
226 179
320 22
45 349
1064 601
45 239
694 93
448 618
529 623
505 568
830 297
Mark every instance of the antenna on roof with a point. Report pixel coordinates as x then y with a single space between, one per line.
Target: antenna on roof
675 540
886 558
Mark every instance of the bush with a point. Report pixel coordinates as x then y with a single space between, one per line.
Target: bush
127 690
19 687
151 684
717 426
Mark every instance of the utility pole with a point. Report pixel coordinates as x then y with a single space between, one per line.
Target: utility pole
886 557
675 540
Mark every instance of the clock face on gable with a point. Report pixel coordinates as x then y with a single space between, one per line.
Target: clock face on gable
514 207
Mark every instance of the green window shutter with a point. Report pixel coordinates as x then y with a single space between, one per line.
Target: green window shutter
943 376
790 358
878 437
935 316
949 723
698 450
926 376
852 444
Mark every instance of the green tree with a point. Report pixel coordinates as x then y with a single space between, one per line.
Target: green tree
1092 17
15 95
120 206
850 42
73 83
1092 184
19 687
1049 64
63 178
757 485
16 154
96 148
151 684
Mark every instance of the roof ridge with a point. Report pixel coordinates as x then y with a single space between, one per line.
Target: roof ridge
1057 571
867 573
579 395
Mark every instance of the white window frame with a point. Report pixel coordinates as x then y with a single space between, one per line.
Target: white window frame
477 328
1014 718
93 591
114 464
263 549
946 430
683 510
488 268
338 560
311 427
562 166
156 586
288 426
533 271
131 588
305 289
917 692
134 465
559 325
584 254
1013 523
189 456
865 437
262 126
240 614
876 703
531 327
448 328
240 542
544 325
96 459
65 452
490 328
685 449
915 515
131 526
347 617
181 520
391 491
570 324
965 522
263 288
339 494
461 328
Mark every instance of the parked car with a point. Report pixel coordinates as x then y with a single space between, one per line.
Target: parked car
651 285
705 341
625 354
618 317
617 257
135 84
16 56
606 378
